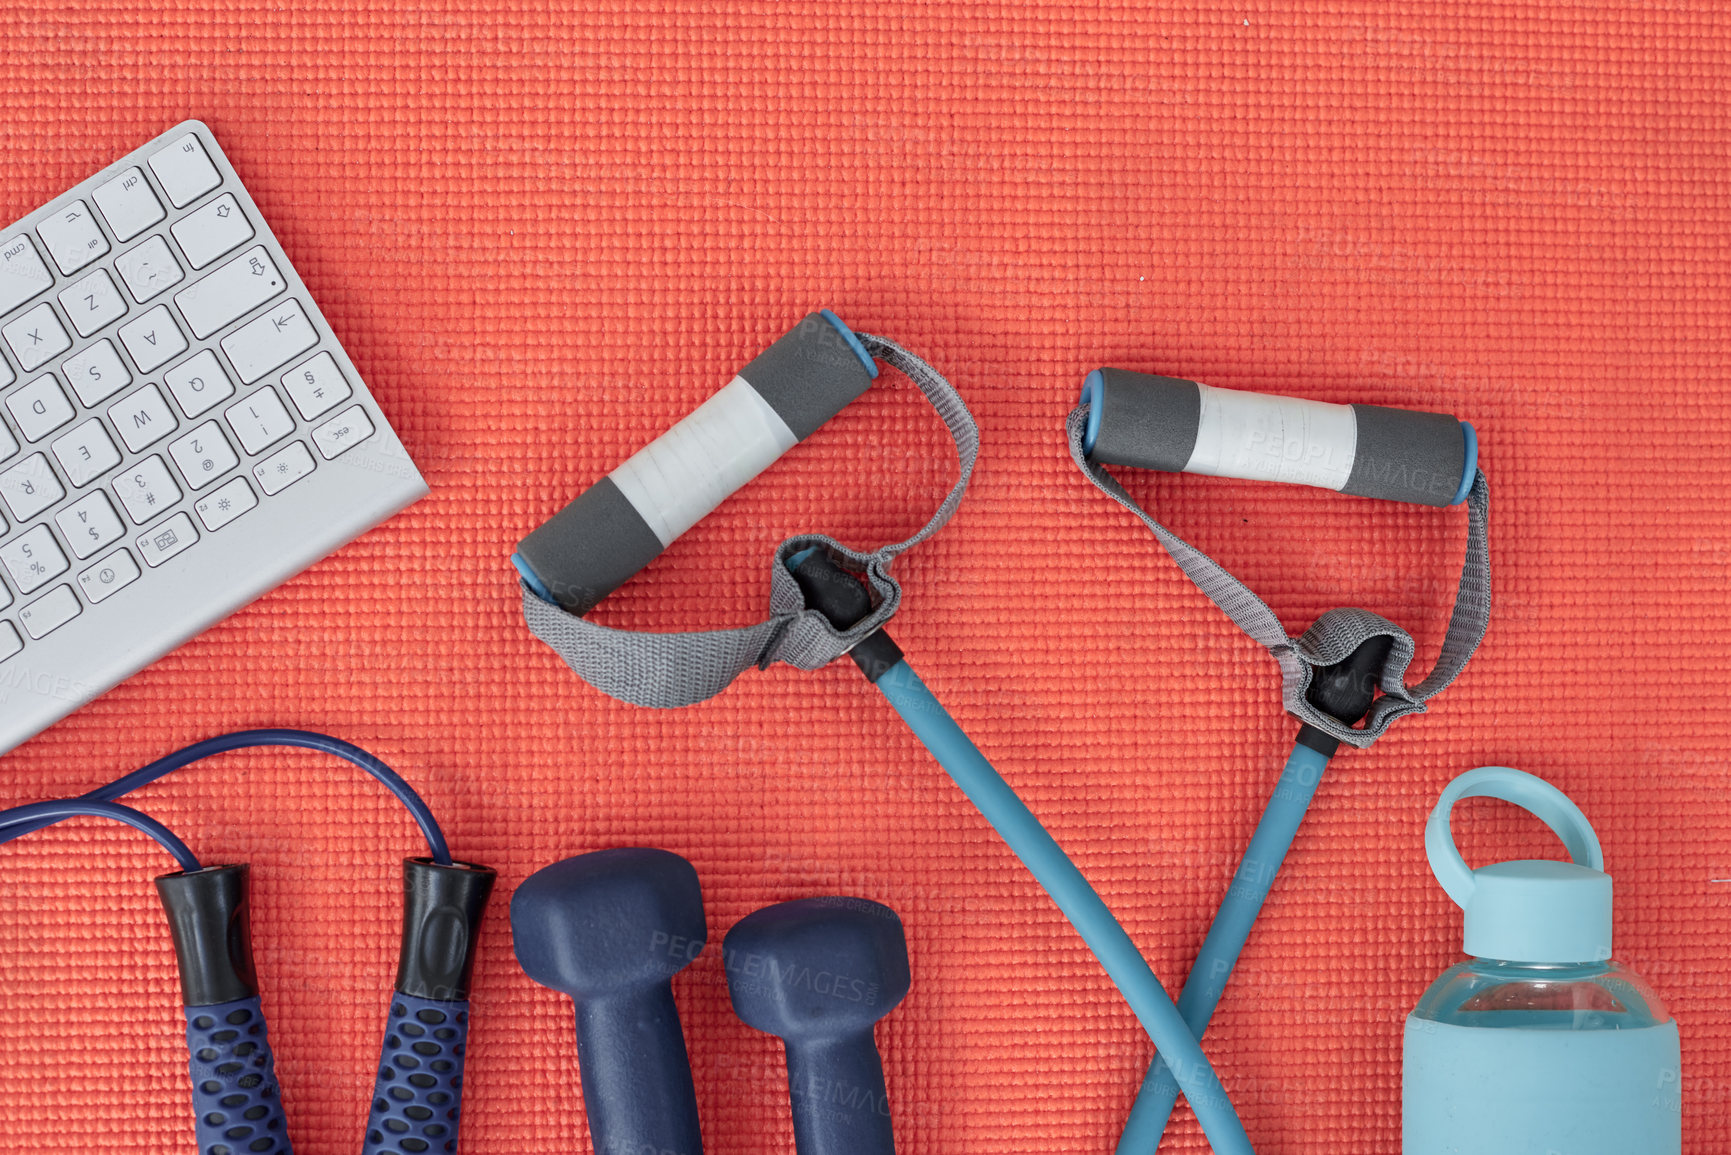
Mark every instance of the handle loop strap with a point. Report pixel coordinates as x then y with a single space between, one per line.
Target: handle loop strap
1338 632
665 670
1528 791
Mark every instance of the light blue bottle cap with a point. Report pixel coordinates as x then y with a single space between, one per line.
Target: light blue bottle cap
1531 911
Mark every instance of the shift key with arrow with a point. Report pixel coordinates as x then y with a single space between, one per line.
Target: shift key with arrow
217 228
230 292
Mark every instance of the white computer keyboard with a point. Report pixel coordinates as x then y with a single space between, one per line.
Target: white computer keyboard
179 429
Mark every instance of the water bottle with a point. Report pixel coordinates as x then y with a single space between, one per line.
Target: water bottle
1540 1045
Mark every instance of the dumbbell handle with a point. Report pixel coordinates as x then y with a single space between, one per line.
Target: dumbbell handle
836 1089
1181 426
637 1087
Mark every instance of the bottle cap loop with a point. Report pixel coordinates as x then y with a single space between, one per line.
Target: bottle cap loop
1533 910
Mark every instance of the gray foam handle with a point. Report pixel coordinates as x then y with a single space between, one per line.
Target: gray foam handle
595 544
1167 423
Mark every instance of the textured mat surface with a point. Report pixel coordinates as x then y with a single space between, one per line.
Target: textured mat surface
544 231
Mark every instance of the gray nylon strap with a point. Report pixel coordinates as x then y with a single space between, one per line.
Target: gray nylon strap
678 669
1338 632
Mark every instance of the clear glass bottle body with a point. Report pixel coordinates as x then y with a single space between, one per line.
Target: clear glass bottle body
1484 992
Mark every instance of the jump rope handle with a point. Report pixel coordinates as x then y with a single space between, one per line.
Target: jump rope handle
618 525
235 1097
1180 426
418 1092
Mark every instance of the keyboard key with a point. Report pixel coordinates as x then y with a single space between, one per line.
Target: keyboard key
22 273
185 171
8 444
203 455
33 560
128 205
212 231
198 383
283 468
40 408
86 453
229 293
261 345
47 614
93 303
153 339
114 572
97 373
89 524
6 374
343 432
30 487
222 505
37 337
72 237
166 540
146 490
148 269
143 418
316 386
10 642
259 420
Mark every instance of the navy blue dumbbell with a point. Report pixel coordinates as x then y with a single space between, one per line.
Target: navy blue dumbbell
611 929
819 973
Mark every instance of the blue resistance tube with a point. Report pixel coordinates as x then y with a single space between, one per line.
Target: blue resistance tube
36 815
15 827
1093 920
1226 937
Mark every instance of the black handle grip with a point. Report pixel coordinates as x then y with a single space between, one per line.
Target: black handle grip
207 917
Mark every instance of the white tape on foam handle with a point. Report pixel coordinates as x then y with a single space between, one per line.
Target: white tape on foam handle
677 479
1260 437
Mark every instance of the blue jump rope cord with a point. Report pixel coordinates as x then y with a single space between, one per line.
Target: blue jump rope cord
36 815
1226 937
1054 871
22 820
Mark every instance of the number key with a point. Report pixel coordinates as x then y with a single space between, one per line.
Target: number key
260 420
33 560
147 491
203 455
89 524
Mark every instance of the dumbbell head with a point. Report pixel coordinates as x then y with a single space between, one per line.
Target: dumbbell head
608 922
817 968
611 929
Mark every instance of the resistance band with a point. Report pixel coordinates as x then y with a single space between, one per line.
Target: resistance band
1332 674
621 523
